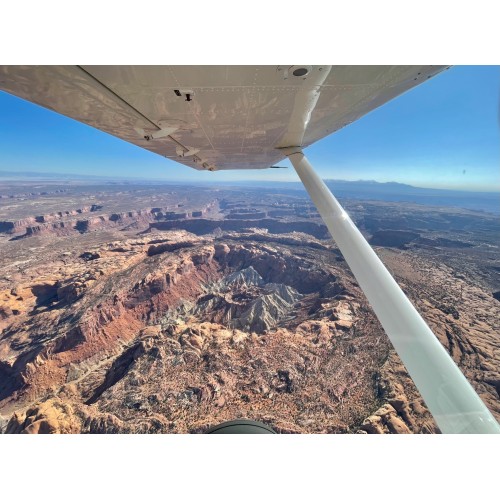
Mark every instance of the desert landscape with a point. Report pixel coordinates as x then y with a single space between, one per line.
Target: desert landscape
143 308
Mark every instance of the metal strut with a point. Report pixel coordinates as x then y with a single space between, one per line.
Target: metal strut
454 404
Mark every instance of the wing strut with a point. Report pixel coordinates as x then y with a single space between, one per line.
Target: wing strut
454 404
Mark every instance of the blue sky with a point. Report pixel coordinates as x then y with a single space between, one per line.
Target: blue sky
444 134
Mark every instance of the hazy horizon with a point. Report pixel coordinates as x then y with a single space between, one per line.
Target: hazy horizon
67 176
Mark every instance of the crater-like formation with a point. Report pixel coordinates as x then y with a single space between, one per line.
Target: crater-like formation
132 339
173 332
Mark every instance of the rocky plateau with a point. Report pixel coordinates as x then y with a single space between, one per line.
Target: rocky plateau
181 324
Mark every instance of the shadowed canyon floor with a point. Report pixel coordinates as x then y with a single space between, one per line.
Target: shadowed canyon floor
166 331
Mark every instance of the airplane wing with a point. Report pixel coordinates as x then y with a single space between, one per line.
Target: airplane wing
214 117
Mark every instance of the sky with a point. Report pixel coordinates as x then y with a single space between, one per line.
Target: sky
443 134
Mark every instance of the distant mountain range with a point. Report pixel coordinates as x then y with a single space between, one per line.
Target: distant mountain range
397 192
393 187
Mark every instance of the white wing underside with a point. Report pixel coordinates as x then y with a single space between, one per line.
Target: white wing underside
238 116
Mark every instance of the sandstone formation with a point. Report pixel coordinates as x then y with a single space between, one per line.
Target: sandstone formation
178 333
222 303
69 221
